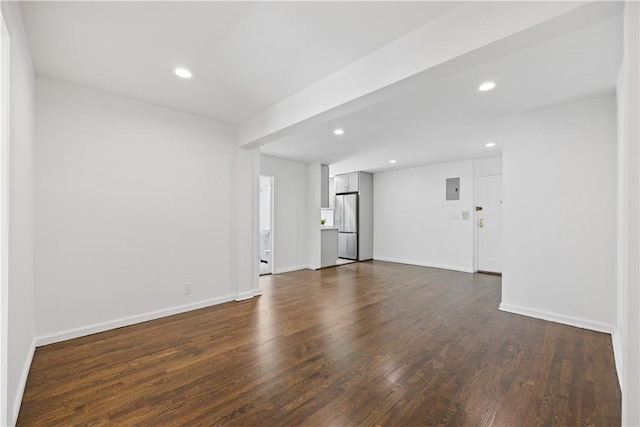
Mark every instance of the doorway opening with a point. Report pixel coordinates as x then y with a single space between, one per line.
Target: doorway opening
266 224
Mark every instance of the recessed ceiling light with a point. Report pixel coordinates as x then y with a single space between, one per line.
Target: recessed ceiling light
486 86
490 144
392 161
338 132
183 72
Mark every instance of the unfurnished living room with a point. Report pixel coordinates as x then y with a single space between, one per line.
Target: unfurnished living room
319 213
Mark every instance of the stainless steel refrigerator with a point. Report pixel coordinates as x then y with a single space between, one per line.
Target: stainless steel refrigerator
346 218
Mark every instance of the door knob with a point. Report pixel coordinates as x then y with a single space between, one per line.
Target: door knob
480 223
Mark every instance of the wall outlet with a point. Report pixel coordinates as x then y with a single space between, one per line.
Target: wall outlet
187 288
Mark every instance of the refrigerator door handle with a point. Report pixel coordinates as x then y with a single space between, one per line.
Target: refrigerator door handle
339 212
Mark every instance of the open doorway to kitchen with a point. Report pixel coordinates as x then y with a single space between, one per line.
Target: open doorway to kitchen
266 224
4 282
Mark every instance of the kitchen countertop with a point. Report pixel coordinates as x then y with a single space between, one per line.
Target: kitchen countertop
328 228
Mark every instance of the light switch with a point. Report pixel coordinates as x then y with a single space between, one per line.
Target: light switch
465 214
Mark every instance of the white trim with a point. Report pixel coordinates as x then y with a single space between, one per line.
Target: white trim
244 296
557 318
127 321
426 264
272 206
289 269
473 216
23 382
616 343
5 120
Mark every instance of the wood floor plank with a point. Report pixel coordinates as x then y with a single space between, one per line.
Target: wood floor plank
370 343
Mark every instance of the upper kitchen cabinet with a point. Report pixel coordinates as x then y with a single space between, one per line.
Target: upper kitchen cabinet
347 183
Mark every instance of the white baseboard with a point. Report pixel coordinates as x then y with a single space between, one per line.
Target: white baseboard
289 269
17 401
244 296
426 264
126 321
557 318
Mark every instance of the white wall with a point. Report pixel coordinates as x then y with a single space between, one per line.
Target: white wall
290 212
559 213
243 227
21 329
626 336
314 232
487 167
133 201
414 224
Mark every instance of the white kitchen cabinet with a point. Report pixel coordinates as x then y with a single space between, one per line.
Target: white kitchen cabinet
347 182
341 183
329 249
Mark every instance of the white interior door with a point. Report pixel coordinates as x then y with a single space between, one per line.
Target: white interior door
489 223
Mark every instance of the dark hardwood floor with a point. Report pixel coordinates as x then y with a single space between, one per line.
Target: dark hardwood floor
369 343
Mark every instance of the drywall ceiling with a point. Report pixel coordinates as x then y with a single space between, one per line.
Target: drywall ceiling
437 120
245 56
248 56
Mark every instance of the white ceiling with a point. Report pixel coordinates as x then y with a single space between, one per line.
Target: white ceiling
248 56
447 119
245 56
